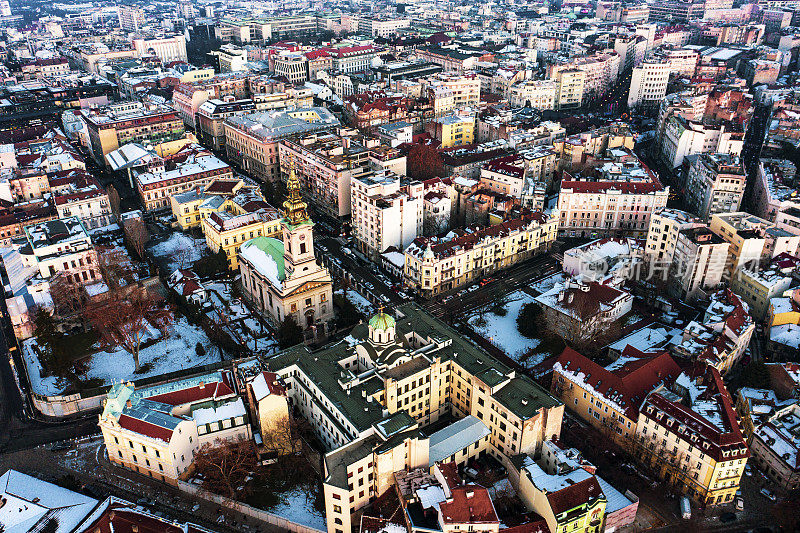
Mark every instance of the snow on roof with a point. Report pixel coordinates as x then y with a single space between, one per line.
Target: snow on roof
29 504
264 384
225 411
455 437
786 334
266 256
395 258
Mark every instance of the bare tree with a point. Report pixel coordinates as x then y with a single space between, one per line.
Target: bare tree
136 234
183 256
114 201
225 465
115 266
123 321
69 297
281 436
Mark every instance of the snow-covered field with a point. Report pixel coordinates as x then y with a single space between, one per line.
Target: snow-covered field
179 250
176 352
502 330
299 508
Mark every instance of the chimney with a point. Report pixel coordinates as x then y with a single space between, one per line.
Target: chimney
128 404
202 384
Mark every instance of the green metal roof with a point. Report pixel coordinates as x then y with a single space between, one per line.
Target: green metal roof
382 321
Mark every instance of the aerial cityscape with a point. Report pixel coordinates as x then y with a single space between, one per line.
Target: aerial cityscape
401 266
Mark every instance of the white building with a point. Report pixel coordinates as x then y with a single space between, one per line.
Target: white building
648 85
613 199
385 212
167 49
715 184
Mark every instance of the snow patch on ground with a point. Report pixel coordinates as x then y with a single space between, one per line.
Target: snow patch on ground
179 250
361 303
502 330
299 508
176 352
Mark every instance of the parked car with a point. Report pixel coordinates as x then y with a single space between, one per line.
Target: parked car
748 470
768 494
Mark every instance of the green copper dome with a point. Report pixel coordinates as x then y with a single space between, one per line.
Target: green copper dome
381 321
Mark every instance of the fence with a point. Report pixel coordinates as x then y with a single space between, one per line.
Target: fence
258 514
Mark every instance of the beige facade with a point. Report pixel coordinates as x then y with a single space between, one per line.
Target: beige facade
282 277
432 268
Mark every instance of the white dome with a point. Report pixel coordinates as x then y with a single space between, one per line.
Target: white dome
376 62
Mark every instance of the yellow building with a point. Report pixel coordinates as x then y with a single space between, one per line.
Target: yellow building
435 267
190 208
452 130
367 398
690 438
785 309
604 398
229 229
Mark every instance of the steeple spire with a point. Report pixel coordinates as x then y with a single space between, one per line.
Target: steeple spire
294 207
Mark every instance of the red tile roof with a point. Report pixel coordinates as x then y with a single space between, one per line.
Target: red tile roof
714 440
626 187
469 504
471 236
144 428
628 385
118 520
579 493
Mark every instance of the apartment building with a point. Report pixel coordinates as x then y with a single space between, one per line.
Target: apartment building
575 151
78 193
662 235
437 265
247 218
211 116
758 286
614 199
774 190
157 430
13 218
753 240
449 92
715 184
689 436
601 70
452 130
292 65
648 85
684 137
191 207
562 487
63 248
775 446
698 264
608 398
538 94
367 399
386 211
251 141
167 49
571 85
115 125
721 337
282 277
325 164
677 11
131 19
193 167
